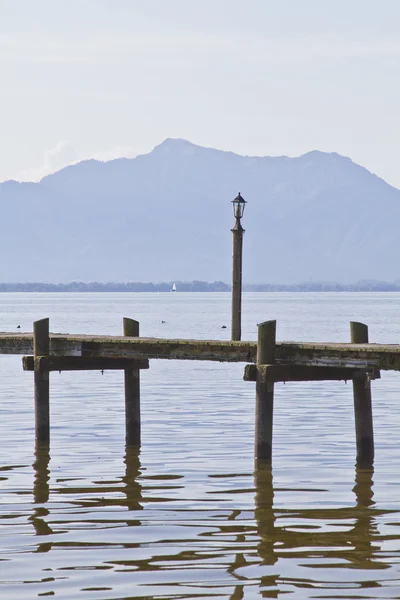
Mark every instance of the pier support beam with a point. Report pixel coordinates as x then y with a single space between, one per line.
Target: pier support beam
132 392
362 404
41 347
265 392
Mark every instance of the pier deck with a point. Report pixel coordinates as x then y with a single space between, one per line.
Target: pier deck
267 362
385 357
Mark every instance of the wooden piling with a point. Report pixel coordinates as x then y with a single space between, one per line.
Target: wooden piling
41 347
362 404
132 392
265 392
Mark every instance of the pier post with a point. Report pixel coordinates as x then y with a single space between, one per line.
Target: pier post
362 404
265 392
41 347
132 392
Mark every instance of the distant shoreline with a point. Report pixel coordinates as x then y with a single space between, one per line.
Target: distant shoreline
199 286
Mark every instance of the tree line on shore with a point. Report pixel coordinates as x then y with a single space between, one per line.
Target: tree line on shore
199 286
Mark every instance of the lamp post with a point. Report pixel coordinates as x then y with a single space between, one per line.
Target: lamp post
238 209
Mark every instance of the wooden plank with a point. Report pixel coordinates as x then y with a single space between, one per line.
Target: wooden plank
339 355
282 373
379 356
81 363
170 349
311 354
129 347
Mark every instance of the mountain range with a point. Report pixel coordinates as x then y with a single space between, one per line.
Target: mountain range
167 216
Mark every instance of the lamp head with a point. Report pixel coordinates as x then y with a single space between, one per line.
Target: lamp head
238 204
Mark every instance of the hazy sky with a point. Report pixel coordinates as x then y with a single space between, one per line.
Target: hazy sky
107 78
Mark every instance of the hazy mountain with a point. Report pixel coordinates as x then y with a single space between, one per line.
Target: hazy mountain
167 216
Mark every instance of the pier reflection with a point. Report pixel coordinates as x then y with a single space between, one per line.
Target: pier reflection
268 532
318 538
133 488
256 546
41 473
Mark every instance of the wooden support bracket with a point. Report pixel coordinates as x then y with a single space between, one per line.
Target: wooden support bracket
81 363
282 373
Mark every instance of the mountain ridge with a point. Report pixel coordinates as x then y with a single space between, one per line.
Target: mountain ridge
166 215
169 144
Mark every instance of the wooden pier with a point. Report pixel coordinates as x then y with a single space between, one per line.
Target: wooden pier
268 362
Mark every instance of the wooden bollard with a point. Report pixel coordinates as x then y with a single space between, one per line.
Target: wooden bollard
362 404
41 347
132 392
265 392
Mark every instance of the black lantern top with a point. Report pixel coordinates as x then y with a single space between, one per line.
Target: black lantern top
239 204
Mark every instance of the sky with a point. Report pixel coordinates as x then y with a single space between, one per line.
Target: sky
107 78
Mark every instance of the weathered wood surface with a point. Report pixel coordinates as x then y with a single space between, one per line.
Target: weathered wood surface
376 356
265 393
81 363
362 404
41 345
128 347
132 391
283 373
379 356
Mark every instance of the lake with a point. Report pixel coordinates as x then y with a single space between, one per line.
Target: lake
188 516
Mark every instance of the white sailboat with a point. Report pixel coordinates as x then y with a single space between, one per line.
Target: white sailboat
173 289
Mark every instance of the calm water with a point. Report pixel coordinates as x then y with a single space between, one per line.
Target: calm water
188 517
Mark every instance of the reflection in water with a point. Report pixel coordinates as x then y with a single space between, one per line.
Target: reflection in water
133 489
264 514
265 519
41 473
365 528
267 551
41 494
342 538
